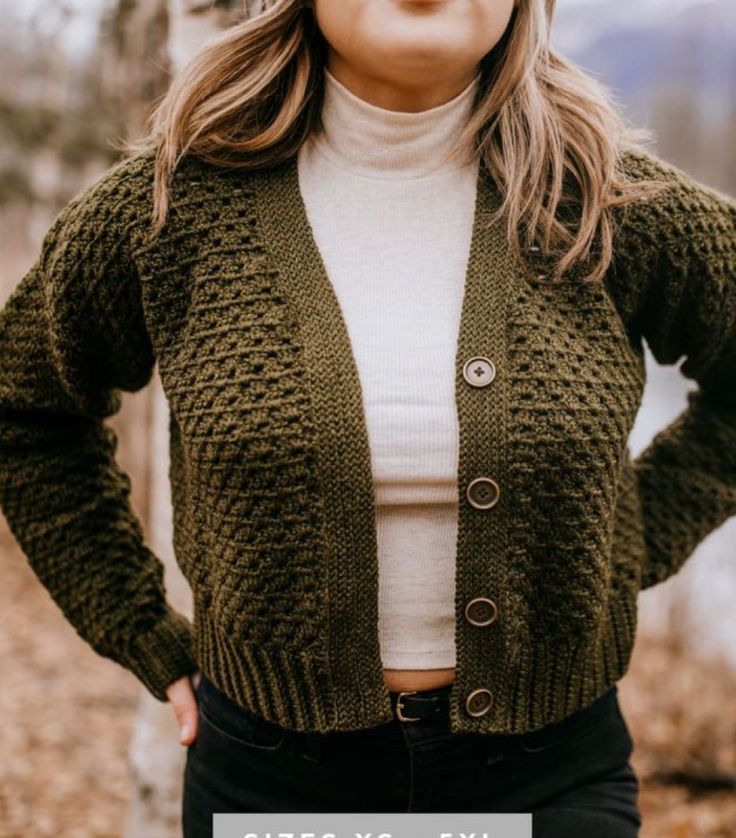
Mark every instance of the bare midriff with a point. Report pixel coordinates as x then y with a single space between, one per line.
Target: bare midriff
417 679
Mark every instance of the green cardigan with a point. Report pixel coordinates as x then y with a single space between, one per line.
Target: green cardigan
270 466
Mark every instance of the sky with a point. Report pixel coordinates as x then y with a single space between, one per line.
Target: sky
648 5
82 14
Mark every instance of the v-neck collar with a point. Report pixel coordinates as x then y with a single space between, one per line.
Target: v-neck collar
344 460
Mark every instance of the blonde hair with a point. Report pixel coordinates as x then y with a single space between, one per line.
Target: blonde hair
548 133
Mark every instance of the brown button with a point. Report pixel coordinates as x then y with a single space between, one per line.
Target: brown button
478 702
483 493
479 371
481 611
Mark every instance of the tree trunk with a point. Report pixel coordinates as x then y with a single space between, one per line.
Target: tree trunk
156 756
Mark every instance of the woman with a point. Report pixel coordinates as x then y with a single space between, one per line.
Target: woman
395 261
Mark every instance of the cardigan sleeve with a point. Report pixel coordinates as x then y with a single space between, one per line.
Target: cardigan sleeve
679 260
72 336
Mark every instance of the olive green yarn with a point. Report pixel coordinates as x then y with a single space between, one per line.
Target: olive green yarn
270 467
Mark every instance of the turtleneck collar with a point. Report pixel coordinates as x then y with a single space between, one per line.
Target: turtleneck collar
375 142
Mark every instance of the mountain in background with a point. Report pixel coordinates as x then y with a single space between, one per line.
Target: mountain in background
638 49
671 67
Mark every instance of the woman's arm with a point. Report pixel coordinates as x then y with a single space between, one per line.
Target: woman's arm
676 281
72 335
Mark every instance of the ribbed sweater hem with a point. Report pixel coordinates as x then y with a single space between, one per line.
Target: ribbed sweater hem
292 686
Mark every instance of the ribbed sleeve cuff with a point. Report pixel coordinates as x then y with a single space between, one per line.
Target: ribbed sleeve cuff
163 654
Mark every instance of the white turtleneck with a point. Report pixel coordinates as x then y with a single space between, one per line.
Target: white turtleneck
392 220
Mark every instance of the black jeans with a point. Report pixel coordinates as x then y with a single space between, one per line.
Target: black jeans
574 776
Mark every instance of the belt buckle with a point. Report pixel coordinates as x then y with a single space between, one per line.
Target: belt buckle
399 707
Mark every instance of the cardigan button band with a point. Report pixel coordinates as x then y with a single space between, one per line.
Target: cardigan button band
478 702
479 371
481 611
483 493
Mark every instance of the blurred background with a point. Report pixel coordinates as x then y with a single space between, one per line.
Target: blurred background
81 752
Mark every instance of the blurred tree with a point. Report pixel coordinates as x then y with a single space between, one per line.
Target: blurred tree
56 119
156 757
139 32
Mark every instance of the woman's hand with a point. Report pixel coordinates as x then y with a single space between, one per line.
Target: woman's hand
184 701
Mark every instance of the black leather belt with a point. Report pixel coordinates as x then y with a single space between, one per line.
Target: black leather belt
421 705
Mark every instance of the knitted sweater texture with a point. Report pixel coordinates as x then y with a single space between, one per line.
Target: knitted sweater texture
270 471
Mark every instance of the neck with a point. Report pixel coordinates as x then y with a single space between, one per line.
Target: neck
376 142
